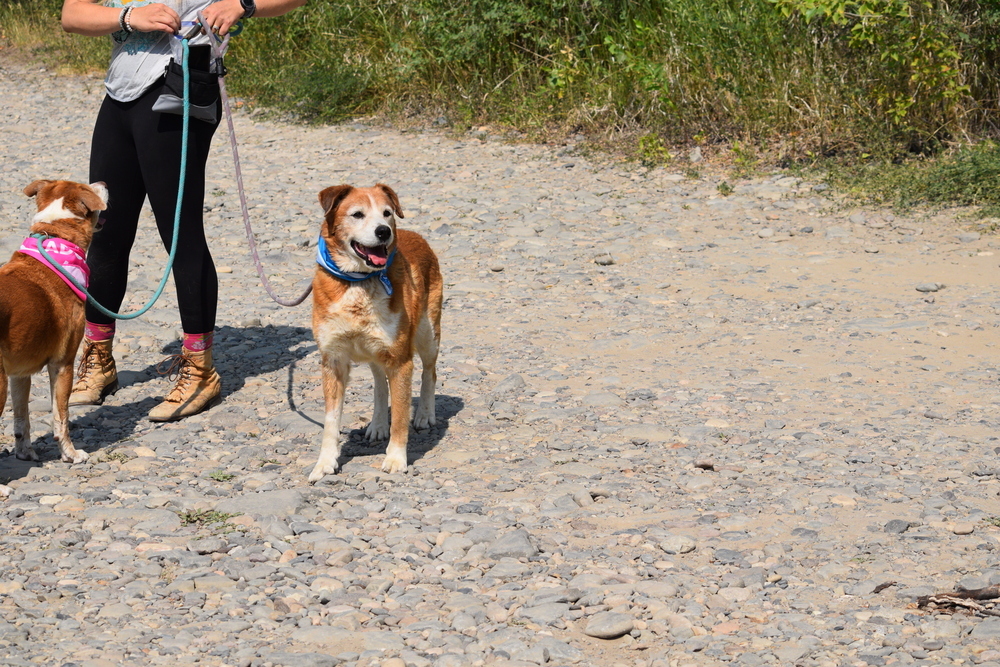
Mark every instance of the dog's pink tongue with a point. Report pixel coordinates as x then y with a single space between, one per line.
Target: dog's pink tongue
377 260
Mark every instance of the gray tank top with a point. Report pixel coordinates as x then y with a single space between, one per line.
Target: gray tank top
138 59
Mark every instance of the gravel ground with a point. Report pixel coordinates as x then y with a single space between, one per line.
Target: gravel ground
674 428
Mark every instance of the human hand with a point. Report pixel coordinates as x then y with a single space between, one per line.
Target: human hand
156 17
222 15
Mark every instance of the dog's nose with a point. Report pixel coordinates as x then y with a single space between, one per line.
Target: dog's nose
383 232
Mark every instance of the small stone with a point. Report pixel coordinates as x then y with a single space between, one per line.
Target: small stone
208 545
604 260
515 544
929 287
609 625
677 544
897 526
963 528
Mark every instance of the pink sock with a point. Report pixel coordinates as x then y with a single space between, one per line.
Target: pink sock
198 342
99 332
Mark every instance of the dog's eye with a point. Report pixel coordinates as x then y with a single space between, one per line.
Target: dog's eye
386 213
358 215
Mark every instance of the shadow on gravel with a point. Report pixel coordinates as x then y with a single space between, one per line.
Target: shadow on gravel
241 354
421 442
355 443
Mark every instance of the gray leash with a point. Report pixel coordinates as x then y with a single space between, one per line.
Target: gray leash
219 50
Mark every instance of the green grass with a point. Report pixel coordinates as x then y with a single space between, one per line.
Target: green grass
754 81
205 517
964 177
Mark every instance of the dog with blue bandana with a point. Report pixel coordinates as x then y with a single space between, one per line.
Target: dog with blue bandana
377 298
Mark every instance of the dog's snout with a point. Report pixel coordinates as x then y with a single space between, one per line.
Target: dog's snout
383 232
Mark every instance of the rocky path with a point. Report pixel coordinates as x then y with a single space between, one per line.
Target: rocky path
674 428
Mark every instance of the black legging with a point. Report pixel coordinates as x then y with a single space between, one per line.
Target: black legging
136 151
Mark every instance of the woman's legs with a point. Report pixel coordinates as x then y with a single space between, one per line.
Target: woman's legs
137 152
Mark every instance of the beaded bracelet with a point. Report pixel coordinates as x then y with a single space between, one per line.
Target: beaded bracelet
121 18
128 20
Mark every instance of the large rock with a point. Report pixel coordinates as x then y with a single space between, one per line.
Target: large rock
609 625
515 544
283 502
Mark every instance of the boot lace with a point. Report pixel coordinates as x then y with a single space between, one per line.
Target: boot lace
179 368
89 361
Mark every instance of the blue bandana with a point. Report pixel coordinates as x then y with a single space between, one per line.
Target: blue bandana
323 259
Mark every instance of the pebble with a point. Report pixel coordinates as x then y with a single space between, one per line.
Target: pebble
718 446
609 625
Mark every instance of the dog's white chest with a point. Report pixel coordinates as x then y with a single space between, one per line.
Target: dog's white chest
359 325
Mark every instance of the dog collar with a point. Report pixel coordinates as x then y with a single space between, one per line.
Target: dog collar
324 259
69 256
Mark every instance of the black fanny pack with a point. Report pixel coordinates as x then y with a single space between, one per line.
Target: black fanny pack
203 87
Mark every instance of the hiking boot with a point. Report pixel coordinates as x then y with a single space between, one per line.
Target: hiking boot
96 376
198 386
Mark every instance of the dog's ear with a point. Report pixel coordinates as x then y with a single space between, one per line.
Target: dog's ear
92 200
35 187
332 196
393 199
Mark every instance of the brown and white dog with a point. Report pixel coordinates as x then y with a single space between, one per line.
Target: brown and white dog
376 299
41 317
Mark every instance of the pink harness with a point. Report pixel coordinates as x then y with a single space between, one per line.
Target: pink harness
68 255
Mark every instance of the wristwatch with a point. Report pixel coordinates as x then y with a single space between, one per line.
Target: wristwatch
249 7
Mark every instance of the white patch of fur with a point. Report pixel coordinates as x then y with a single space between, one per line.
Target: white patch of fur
54 211
359 338
101 191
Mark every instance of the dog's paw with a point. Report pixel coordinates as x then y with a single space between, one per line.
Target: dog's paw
423 418
5 491
377 430
395 462
76 456
25 454
322 469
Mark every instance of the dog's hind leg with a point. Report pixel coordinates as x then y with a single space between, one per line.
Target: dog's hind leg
336 372
400 388
427 348
60 385
378 429
20 387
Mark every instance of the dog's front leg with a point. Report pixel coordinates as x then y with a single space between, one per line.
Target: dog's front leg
20 387
400 383
378 429
61 385
335 375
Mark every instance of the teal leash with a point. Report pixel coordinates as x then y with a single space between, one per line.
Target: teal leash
177 216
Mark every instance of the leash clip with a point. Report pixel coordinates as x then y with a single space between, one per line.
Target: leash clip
192 32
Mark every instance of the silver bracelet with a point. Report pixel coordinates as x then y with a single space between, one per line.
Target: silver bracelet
128 20
121 18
